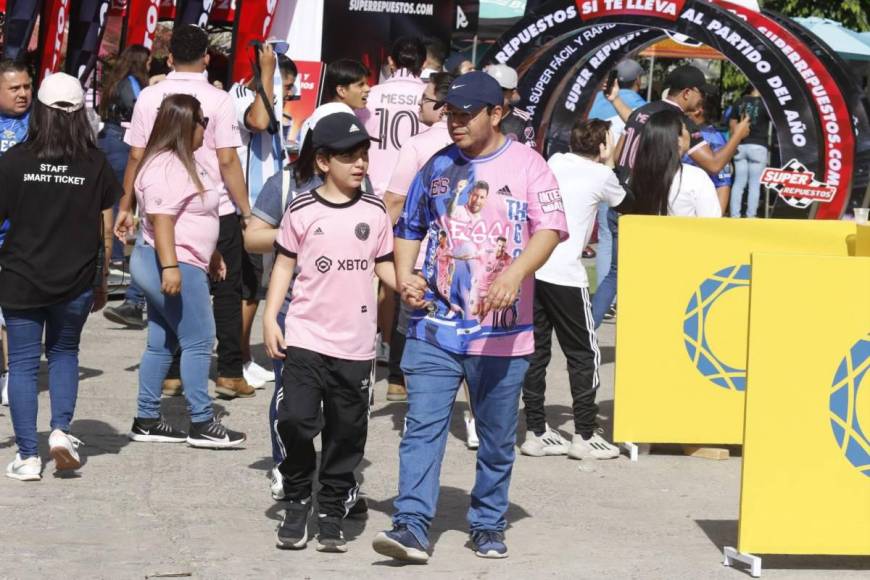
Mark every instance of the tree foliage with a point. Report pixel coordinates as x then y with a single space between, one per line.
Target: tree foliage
850 13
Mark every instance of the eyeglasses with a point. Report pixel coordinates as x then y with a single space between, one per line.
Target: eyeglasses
203 122
428 100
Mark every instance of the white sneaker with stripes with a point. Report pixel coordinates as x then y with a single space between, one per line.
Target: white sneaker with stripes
550 442
596 447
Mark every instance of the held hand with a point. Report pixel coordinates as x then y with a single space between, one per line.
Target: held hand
217 268
614 91
101 296
123 225
501 294
171 278
413 289
273 339
743 127
267 61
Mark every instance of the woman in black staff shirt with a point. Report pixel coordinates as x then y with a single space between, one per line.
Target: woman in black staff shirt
57 193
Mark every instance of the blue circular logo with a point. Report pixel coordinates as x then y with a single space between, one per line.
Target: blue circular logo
851 439
695 332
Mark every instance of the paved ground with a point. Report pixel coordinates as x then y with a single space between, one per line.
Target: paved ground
139 510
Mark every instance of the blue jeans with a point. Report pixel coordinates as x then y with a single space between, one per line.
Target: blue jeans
433 376
605 293
63 325
749 163
111 143
605 244
184 321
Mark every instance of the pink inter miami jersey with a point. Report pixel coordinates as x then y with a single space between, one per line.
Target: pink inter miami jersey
391 117
336 247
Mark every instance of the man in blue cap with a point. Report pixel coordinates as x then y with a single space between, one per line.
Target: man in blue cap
493 214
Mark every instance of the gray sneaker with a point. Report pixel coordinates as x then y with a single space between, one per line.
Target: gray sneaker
550 442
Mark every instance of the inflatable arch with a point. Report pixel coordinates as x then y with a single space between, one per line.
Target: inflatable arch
565 49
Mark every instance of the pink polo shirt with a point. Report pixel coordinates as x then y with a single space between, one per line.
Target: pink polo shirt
391 117
222 131
164 186
415 153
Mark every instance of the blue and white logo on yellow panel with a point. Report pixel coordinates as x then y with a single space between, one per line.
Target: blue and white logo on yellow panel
714 327
850 405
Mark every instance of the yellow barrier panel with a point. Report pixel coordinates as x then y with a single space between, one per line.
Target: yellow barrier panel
806 458
862 245
683 320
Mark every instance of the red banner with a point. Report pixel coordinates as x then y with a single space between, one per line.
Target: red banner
666 9
308 86
253 22
142 17
223 12
52 28
167 10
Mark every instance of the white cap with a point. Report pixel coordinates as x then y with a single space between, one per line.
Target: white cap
505 75
61 91
319 113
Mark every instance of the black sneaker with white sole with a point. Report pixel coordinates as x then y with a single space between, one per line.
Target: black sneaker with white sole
155 431
293 531
213 435
359 509
330 535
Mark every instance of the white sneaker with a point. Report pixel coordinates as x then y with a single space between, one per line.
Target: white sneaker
4 384
277 484
471 440
251 376
263 373
25 469
63 449
550 442
596 447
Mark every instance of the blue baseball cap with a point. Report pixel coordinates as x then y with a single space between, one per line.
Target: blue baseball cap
473 91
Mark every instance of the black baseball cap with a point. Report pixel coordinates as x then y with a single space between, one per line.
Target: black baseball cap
688 77
339 131
473 91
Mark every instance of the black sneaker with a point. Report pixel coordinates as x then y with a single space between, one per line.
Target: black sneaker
127 313
213 435
359 509
155 431
330 536
611 313
293 531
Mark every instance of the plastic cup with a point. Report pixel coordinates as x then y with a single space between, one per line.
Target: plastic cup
862 215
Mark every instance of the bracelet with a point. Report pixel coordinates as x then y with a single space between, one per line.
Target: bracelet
168 267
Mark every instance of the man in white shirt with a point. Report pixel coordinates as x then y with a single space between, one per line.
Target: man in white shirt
562 303
262 155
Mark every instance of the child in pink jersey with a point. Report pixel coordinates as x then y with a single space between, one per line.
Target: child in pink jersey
340 238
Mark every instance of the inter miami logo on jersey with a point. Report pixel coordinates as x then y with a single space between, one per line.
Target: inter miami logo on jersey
323 264
362 231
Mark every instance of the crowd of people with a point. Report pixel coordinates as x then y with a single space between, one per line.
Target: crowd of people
417 224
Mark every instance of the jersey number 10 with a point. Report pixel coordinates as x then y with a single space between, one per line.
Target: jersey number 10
389 129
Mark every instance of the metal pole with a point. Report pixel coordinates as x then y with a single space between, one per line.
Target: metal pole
652 64
474 51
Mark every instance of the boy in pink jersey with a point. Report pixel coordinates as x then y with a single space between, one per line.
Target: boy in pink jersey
391 109
517 217
218 156
340 238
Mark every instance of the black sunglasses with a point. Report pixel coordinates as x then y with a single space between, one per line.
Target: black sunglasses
203 122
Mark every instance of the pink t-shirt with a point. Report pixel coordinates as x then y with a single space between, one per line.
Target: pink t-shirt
164 186
415 153
222 131
391 117
336 246
487 209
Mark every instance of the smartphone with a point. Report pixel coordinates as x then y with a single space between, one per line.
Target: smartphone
611 78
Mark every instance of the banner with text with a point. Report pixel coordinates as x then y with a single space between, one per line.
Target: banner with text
87 25
52 29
